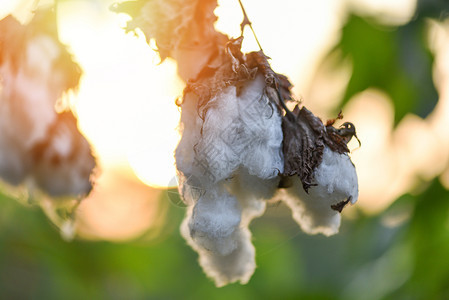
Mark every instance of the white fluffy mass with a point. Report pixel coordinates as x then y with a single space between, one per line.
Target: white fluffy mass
230 159
37 144
228 163
336 181
26 107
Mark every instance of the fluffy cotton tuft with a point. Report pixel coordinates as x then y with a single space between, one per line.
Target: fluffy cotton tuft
238 265
214 221
38 145
336 181
241 129
228 160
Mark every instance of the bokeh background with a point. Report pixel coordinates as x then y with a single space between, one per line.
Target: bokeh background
385 64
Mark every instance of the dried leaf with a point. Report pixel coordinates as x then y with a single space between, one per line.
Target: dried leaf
232 67
304 139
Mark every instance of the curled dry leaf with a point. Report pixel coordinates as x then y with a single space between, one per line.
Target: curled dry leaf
183 30
304 139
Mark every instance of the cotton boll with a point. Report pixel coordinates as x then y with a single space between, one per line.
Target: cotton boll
214 221
63 162
189 191
236 266
336 181
193 173
252 193
190 130
228 166
27 100
14 161
239 265
312 214
263 156
241 127
336 178
222 133
29 97
245 183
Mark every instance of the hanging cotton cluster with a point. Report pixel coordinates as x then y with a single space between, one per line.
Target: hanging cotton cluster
240 144
228 159
319 177
38 145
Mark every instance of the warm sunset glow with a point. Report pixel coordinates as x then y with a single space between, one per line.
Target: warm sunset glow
126 102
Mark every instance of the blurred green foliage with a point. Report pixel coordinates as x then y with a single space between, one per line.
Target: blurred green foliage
400 254
394 59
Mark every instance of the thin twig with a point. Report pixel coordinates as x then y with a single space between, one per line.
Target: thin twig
247 22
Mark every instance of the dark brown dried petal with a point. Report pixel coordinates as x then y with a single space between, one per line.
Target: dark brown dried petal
303 145
305 137
340 205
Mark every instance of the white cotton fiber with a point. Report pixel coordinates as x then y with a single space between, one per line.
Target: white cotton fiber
336 181
336 178
239 265
263 156
214 220
190 130
228 167
219 147
238 130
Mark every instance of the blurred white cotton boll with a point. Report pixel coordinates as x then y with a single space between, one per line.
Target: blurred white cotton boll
30 86
215 220
336 182
63 161
41 53
14 161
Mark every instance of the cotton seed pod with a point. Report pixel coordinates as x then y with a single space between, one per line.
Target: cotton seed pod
321 175
240 128
63 161
35 70
318 210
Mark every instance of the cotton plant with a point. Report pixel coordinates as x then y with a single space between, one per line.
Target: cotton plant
41 148
240 145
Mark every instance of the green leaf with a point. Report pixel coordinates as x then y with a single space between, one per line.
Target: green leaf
395 60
